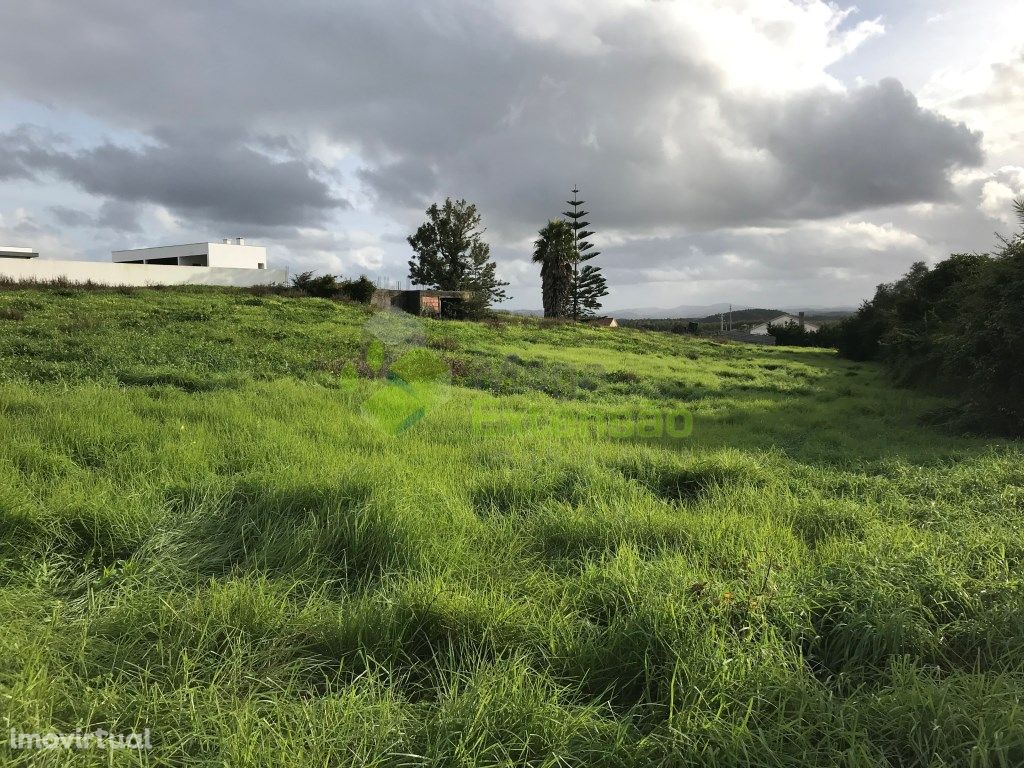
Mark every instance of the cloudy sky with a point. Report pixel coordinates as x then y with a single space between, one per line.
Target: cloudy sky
765 152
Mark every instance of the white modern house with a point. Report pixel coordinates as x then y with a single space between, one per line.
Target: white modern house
229 263
761 329
232 252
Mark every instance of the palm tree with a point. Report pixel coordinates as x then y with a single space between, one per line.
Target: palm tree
553 250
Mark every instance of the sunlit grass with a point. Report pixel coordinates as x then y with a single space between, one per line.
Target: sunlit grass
205 532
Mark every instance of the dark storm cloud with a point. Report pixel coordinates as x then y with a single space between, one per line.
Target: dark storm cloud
71 217
113 214
207 176
119 216
404 182
453 98
421 75
24 149
869 148
709 139
816 155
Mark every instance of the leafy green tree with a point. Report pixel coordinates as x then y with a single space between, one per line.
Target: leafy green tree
792 334
588 284
553 250
954 328
451 254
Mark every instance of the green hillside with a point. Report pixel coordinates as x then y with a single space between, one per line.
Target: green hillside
282 531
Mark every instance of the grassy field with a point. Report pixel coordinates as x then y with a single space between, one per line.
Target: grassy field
281 531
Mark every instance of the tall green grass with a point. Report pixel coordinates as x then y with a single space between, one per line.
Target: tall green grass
204 531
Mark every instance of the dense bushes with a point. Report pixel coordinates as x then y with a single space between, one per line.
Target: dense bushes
955 327
793 335
331 287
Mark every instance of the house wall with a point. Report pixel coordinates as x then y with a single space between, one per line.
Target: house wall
387 298
240 256
749 338
417 302
214 254
106 273
381 298
160 252
761 329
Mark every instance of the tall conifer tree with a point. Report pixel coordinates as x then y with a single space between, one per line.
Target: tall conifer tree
588 284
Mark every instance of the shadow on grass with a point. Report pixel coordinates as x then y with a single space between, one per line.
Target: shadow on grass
183 380
333 533
833 420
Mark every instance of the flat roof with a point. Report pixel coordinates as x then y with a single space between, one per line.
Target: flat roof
15 252
188 245
436 293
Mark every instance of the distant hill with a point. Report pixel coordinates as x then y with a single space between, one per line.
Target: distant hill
683 311
744 316
708 313
754 316
741 318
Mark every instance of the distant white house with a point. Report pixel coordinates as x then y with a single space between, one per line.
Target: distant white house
761 329
13 252
228 263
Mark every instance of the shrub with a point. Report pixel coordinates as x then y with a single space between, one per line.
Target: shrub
954 327
360 290
324 286
793 335
332 287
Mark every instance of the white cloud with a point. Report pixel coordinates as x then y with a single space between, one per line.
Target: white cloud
988 96
166 218
999 191
875 237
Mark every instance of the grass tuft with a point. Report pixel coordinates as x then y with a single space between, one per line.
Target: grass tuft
211 527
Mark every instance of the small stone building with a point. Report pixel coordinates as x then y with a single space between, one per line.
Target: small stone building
424 302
